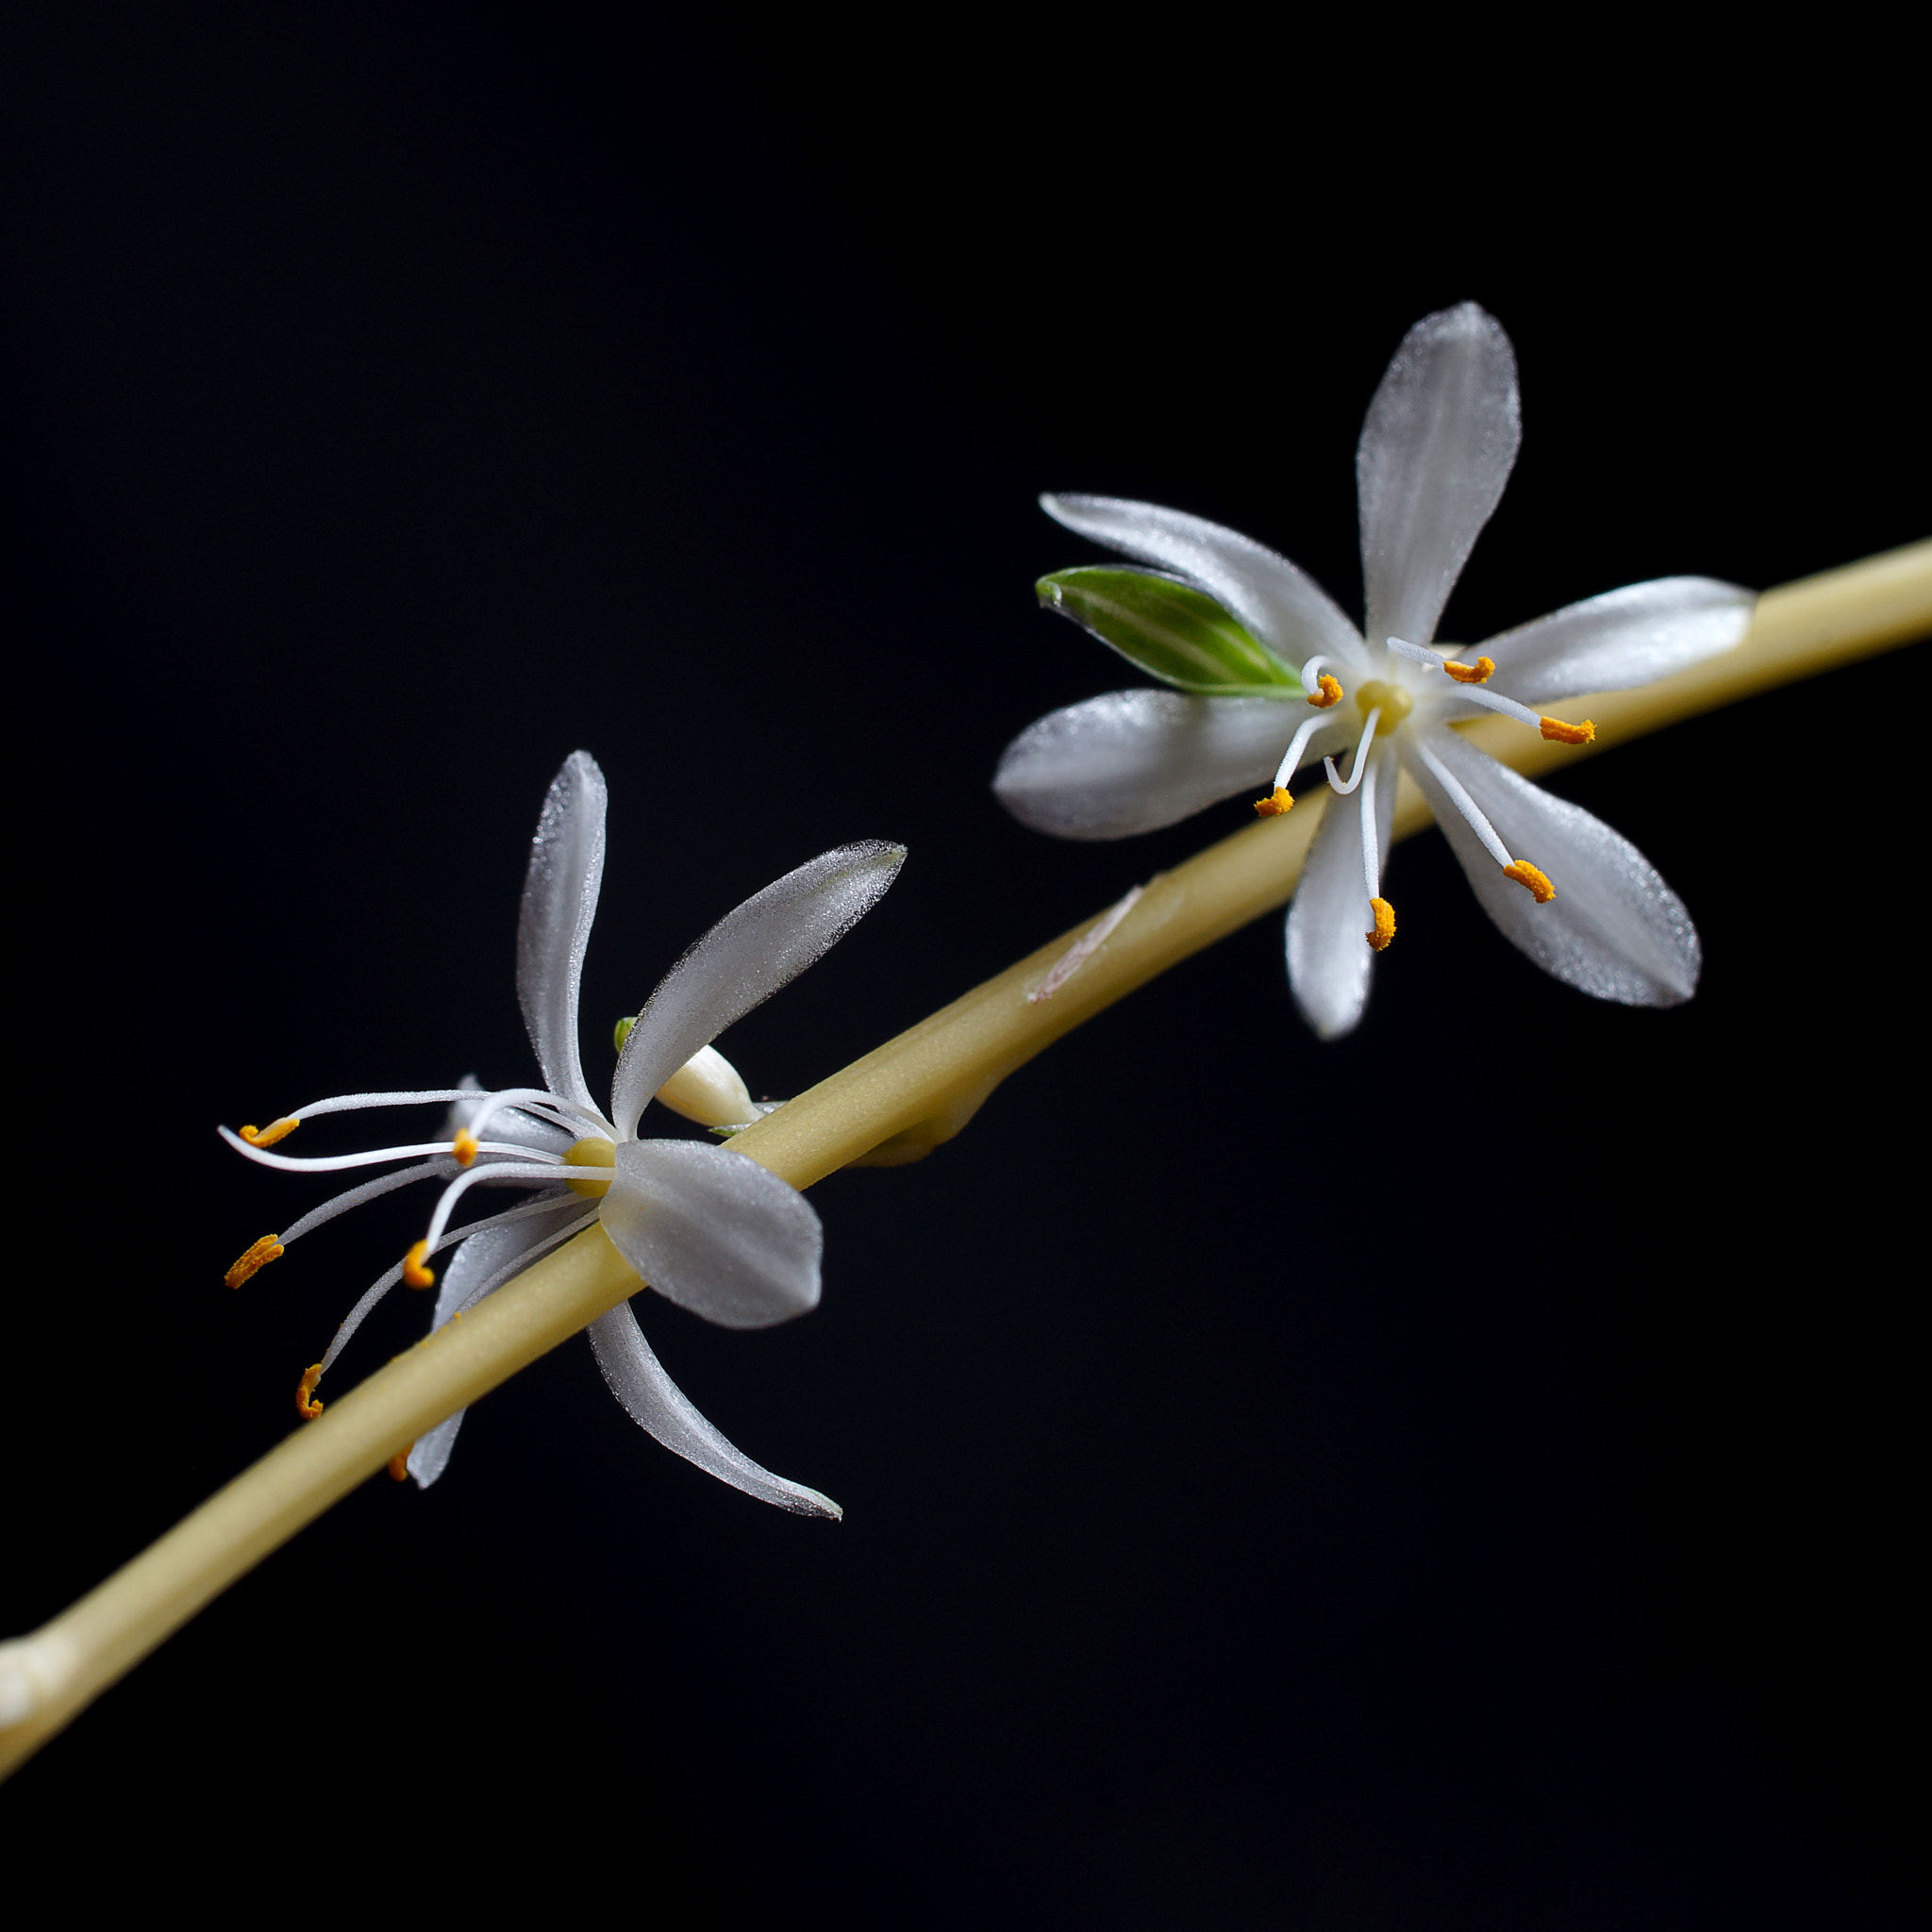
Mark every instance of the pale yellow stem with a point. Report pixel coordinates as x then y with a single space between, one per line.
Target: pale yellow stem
895 1103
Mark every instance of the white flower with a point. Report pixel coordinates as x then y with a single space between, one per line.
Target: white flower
1436 447
708 1228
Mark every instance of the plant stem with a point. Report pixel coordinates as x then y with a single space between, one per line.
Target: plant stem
894 1104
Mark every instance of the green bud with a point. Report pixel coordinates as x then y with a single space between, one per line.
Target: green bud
1171 631
623 1033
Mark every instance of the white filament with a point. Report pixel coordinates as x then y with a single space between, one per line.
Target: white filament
369 1191
389 1278
1290 762
1466 806
1362 751
335 1163
1372 846
544 1176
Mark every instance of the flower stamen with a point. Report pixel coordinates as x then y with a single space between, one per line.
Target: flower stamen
414 1271
1385 926
1537 884
1361 753
307 1407
464 1148
1478 673
399 1465
1323 691
275 1130
1559 733
258 1257
1275 805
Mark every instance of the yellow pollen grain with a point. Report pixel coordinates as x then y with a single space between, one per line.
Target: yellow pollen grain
1478 673
1385 926
463 1147
399 1466
1559 733
594 1150
1274 804
268 1136
1327 691
1535 883
269 1248
306 1404
414 1271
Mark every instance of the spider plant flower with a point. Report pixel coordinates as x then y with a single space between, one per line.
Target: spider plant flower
708 1228
1268 675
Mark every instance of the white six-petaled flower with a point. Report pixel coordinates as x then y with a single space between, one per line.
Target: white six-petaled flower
1436 449
704 1226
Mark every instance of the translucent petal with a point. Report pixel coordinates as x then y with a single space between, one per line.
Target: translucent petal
714 1232
495 1251
1328 955
1133 760
1625 638
744 959
559 902
1436 450
1614 928
656 1403
1282 605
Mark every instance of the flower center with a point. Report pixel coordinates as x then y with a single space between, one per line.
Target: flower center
594 1150
1394 699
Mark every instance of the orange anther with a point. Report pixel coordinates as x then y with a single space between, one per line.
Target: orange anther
463 1147
1327 691
414 1271
306 1404
1559 733
399 1465
269 1248
268 1136
1535 883
1385 925
1478 673
1274 804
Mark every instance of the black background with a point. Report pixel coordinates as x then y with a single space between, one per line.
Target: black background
1458 1476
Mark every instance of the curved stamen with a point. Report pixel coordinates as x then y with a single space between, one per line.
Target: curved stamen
389 1276
1479 673
307 1407
354 1197
574 1120
275 1130
1291 759
1323 691
1380 911
333 1163
1463 802
1362 751
1416 654
503 1170
1532 879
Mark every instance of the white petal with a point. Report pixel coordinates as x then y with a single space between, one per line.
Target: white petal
1328 922
1436 450
1625 638
559 902
656 1403
714 1232
1280 604
744 959
1614 928
495 1251
1134 760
